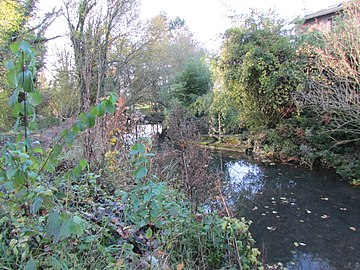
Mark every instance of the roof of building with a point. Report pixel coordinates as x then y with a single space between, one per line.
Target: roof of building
323 12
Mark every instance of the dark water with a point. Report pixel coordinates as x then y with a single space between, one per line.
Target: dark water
306 219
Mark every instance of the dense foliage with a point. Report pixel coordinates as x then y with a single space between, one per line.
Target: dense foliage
258 70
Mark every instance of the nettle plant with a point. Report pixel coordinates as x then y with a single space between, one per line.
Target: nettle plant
31 216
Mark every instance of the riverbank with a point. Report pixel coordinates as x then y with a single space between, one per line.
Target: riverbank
265 150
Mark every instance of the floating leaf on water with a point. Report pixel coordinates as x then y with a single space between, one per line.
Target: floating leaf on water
325 216
302 244
266 206
308 211
343 209
292 203
296 244
282 198
353 229
324 199
274 212
272 198
263 214
255 208
271 229
302 221
277 216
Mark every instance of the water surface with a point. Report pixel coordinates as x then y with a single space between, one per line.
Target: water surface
306 219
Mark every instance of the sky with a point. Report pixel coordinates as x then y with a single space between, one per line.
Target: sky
207 19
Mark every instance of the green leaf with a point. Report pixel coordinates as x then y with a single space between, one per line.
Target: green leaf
70 137
147 197
10 65
32 174
49 167
14 47
53 223
48 193
137 148
57 150
149 233
36 205
83 164
127 246
25 80
155 206
34 98
19 178
113 98
14 97
91 120
19 137
94 111
64 232
78 229
10 172
80 125
30 265
12 78
25 47
101 109
109 107
18 109
141 172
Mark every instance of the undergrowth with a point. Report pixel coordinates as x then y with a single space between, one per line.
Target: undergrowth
68 217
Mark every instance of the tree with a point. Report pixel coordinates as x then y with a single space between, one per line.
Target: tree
192 82
96 29
333 76
166 50
101 35
19 20
64 95
257 68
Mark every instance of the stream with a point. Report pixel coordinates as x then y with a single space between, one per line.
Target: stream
306 219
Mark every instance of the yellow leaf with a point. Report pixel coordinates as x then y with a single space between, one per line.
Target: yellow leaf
180 266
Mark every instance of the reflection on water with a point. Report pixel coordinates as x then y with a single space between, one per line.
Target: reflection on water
302 218
244 177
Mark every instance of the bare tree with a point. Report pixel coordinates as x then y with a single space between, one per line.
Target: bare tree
97 29
333 74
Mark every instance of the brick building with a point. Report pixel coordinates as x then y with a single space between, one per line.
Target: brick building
321 20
